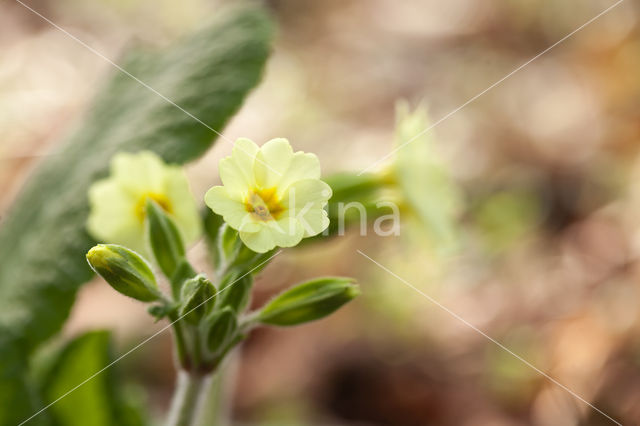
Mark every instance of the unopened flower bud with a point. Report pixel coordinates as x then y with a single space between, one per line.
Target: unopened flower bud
125 271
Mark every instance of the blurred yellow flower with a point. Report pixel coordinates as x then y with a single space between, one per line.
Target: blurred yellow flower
424 178
271 195
118 202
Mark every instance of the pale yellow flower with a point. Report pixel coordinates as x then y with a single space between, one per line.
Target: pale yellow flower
424 177
118 202
271 195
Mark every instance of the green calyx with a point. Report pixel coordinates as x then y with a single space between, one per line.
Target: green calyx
309 301
198 296
125 270
164 238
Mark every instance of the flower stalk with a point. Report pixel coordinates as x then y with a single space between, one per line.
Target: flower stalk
188 397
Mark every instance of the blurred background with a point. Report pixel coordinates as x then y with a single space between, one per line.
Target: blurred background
547 162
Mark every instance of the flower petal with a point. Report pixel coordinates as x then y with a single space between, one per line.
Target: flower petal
232 210
302 166
313 221
286 231
183 206
306 192
272 162
113 218
261 241
236 171
140 172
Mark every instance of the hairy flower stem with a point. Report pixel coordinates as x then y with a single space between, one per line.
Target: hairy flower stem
217 409
187 398
179 339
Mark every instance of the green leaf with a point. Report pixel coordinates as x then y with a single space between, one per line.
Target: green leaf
208 74
98 401
308 301
164 239
15 387
43 238
124 270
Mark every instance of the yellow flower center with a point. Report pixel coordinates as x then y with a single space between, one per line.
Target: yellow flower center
263 204
161 199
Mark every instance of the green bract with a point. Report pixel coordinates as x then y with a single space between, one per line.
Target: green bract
271 195
118 203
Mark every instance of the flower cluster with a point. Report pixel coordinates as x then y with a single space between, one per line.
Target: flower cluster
270 195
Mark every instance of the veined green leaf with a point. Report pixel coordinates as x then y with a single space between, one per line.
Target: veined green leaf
43 238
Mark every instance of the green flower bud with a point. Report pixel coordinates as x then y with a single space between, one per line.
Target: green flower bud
308 301
220 330
164 239
198 296
125 271
183 272
236 292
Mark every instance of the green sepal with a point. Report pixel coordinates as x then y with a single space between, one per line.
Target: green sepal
198 296
183 272
125 270
234 256
308 301
164 239
219 330
212 225
364 189
347 187
248 260
229 244
236 291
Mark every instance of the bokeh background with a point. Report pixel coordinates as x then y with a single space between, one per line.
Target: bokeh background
548 260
